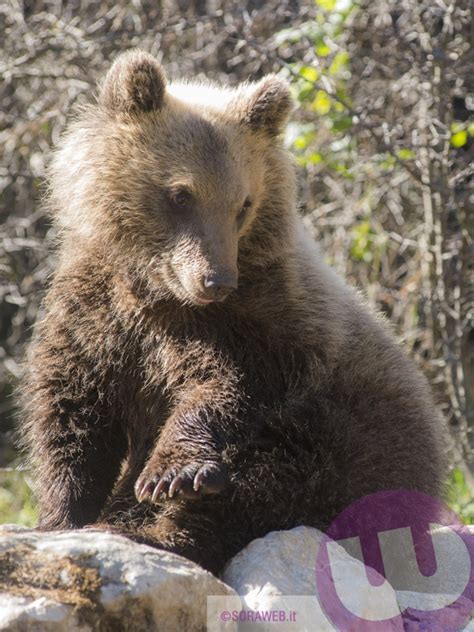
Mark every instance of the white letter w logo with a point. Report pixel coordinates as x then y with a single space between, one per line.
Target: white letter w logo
438 590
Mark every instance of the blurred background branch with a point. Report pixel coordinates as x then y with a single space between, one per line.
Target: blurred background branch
383 136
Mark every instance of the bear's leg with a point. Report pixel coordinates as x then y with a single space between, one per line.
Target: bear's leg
306 465
203 531
74 431
75 473
267 491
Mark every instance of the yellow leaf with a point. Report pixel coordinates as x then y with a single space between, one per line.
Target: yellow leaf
314 159
406 154
322 50
459 138
321 103
300 143
309 73
327 5
339 62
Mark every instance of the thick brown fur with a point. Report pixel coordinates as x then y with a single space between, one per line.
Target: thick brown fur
288 397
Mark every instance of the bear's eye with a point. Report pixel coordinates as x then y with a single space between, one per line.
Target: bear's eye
180 197
243 211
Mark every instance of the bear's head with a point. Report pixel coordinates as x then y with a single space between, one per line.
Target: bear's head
188 183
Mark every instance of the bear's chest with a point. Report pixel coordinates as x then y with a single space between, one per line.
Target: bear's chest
246 353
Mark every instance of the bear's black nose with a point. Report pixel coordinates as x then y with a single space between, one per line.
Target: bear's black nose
218 286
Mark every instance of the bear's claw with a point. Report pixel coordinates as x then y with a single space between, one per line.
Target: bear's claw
189 482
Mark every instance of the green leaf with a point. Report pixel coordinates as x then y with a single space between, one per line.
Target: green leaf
322 49
321 103
388 162
406 154
458 478
300 143
314 158
306 91
309 73
341 124
364 243
16 500
327 5
340 62
291 36
461 496
459 139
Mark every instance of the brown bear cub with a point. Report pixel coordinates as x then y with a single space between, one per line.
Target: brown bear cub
200 377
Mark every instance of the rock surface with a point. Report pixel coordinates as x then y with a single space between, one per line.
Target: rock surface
278 572
89 580
79 581
283 564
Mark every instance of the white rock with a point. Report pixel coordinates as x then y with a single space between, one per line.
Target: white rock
452 577
274 572
76 581
278 572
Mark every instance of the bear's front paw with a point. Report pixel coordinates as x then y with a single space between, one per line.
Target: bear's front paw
185 482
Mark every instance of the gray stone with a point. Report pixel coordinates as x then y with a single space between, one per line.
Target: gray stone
278 572
77 581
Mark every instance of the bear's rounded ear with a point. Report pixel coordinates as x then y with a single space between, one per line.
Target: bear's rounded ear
135 84
267 105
